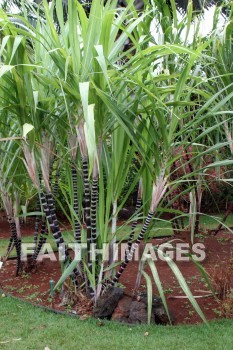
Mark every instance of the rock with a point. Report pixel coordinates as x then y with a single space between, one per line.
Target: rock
161 316
121 312
158 309
138 313
107 303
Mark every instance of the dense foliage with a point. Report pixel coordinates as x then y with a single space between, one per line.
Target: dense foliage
81 111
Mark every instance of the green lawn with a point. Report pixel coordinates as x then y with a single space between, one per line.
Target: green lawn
23 326
211 222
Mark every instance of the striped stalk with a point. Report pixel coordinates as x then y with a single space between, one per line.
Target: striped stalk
87 194
58 236
39 244
95 192
10 245
44 230
37 220
17 243
158 191
42 239
134 246
49 209
134 224
48 206
94 201
112 250
87 200
77 228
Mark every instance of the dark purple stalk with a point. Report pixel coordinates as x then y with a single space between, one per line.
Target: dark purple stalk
17 243
134 246
77 228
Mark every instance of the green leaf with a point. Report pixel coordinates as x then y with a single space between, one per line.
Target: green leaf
158 284
149 294
68 271
4 69
17 42
182 283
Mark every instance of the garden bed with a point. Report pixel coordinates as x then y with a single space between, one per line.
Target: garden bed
34 286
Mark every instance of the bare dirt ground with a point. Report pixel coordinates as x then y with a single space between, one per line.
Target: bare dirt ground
34 286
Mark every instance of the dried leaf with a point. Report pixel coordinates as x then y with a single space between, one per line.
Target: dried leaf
83 317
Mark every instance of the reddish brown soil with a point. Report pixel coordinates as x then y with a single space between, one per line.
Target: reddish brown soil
34 286
219 258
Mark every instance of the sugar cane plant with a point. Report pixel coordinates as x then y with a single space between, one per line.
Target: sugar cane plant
9 187
81 102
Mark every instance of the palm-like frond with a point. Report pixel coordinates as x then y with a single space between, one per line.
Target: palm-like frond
139 4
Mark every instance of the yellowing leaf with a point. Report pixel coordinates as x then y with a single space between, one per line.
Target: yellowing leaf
26 129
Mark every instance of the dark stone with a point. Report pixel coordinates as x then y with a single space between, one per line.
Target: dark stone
158 309
121 312
107 302
138 313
